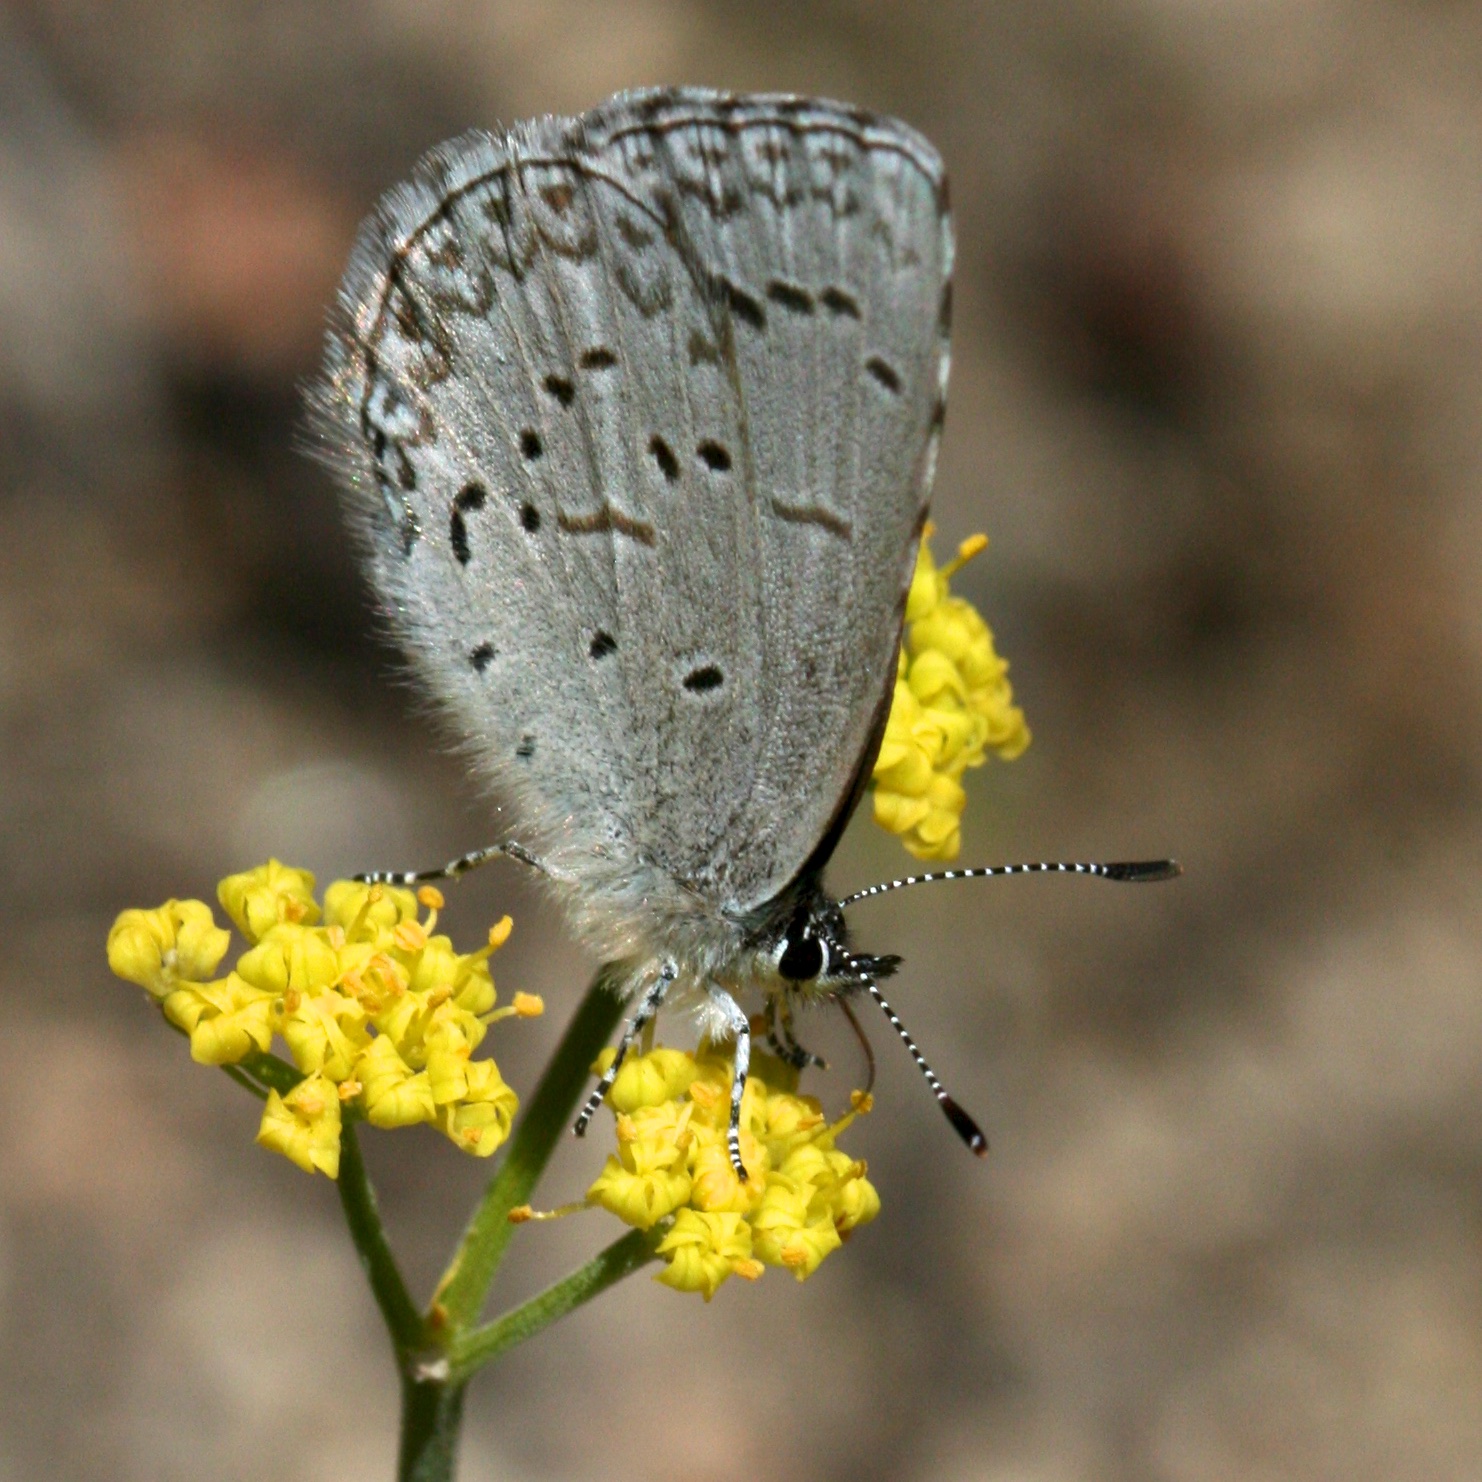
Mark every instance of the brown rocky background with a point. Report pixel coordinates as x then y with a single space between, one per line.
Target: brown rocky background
1217 398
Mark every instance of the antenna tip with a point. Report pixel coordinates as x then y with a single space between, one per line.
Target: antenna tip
967 1129
1141 871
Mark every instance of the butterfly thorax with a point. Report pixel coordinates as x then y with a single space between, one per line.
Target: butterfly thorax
796 945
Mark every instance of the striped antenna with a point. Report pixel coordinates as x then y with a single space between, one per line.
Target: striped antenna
1136 872
967 1129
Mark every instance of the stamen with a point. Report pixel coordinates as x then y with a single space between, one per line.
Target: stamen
523 1214
974 545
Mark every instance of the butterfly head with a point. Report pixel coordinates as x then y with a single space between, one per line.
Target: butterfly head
807 948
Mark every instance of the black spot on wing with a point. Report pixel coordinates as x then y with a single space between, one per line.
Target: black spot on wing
885 373
742 305
530 517
526 749
561 388
599 357
706 677
482 656
531 446
714 456
458 533
603 643
471 496
663 455
790 296
836 301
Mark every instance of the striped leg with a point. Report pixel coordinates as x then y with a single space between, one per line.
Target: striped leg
648 1006
741 1028
769 1018
455 867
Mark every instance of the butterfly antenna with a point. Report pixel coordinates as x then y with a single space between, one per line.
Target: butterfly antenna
967 1129
1132 872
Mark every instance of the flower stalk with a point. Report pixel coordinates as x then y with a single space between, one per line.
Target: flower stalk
438 1351
406 1326
465 1284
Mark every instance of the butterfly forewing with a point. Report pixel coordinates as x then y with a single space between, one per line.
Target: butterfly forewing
638 413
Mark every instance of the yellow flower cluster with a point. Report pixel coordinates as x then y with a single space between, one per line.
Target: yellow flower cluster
952 706
801 1198
380 1015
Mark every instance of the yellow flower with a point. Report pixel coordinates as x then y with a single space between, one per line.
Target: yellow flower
715 1185
160 949
648 1080
225 1020
790 1121
325 1033
373 1003
261 898
305 1125
800 1199
789 1231
704 1249
367 910
648 1179
394 1094
291 958
480 1120
952 706
855 1200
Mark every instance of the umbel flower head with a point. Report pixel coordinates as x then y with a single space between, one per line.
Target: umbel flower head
380 1015
801 1199
953 705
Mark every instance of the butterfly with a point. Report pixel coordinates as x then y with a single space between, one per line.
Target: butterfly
636 416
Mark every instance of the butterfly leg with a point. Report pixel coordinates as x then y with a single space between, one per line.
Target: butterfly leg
740 1026
648 1006
786 1043
455 867
769 1023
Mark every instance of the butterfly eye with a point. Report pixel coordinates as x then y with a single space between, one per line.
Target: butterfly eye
802 958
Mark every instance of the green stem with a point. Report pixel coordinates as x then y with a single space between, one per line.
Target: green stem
431 1415
358 1200
465 1283
623 1257
269 1072
246 1082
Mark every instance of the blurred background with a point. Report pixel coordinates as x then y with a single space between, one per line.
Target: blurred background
1217 398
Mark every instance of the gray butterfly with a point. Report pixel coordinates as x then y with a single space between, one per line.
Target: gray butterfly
636 416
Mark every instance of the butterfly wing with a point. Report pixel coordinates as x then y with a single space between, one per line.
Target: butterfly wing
637 415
